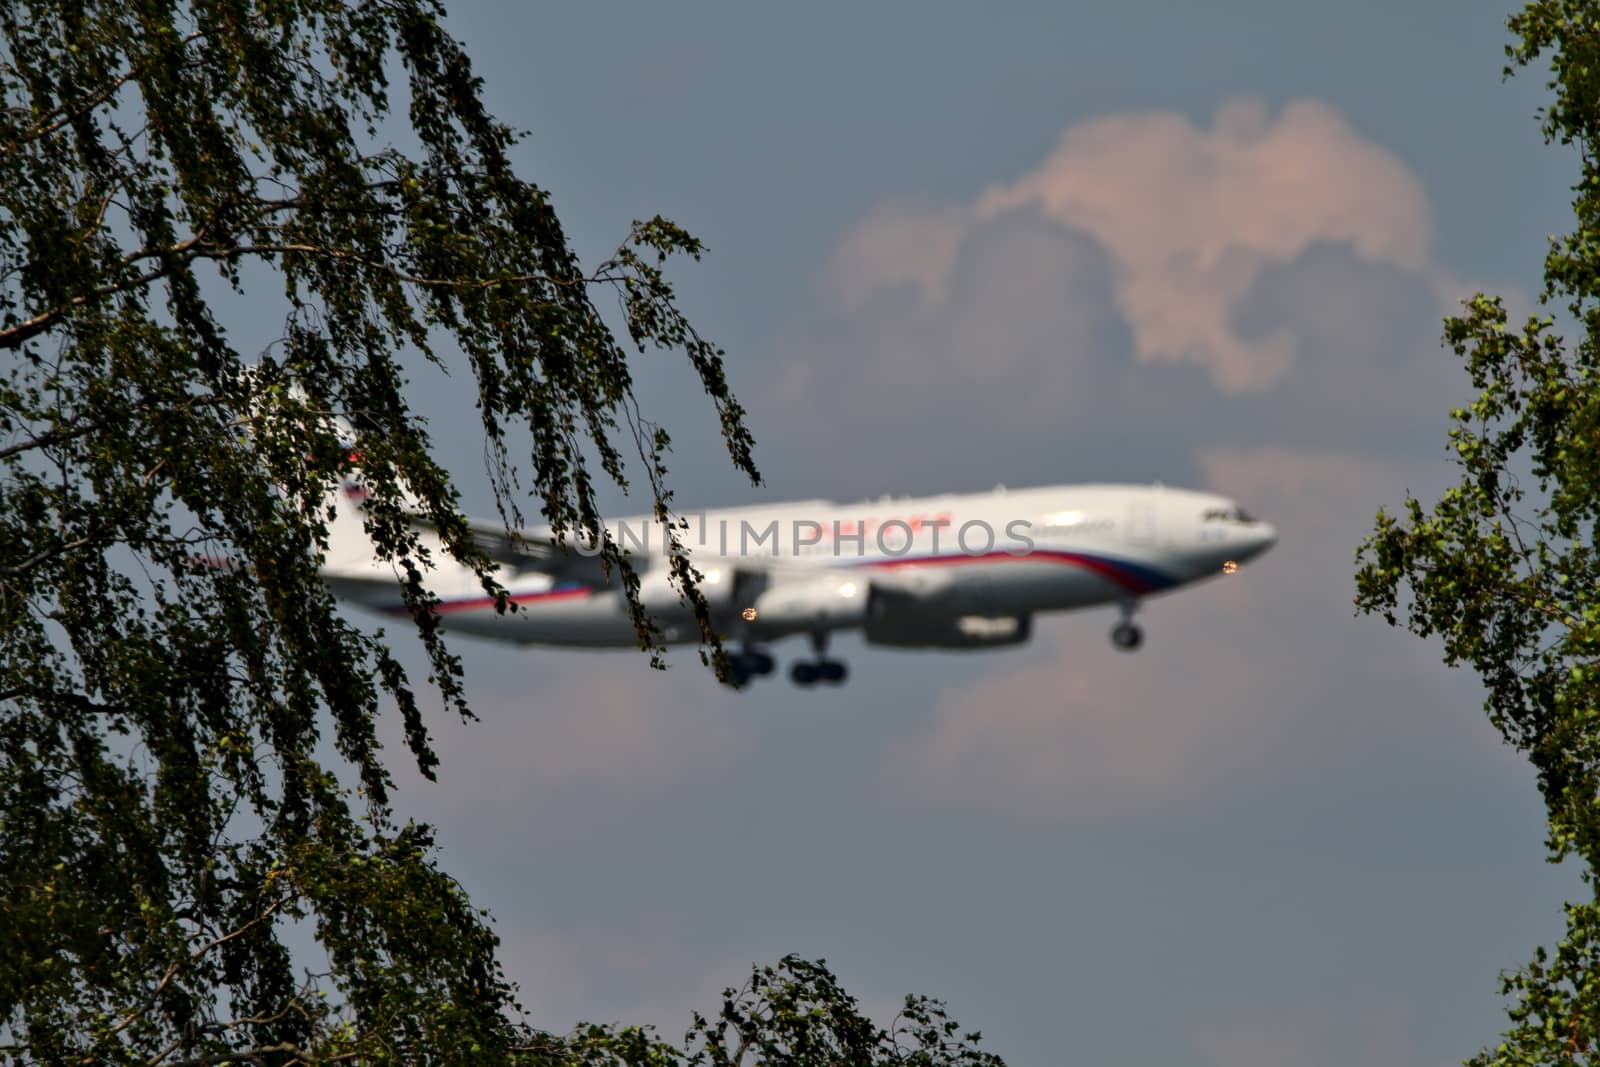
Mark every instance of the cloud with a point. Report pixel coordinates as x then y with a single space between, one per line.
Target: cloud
1255 1041
1019 301
1150 288
1193 218
1373 1030
638 971
1364 339
1089 735
909 242
633 972
563 725
1251 306
1022 340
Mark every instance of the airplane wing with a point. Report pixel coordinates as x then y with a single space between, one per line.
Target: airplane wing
531 552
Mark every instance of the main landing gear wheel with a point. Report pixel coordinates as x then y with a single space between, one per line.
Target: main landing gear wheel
805 673
1127 636
750 663
810 672
759 662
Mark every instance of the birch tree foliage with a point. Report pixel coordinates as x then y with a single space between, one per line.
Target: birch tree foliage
1505 567
190 778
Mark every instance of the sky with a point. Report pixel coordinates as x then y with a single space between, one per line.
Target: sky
952 246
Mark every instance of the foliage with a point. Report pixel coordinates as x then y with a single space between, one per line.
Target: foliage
796 1013
190 777
1505 568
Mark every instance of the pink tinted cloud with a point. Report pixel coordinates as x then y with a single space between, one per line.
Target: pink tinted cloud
641 973
1279 479
596 724
1092 735
1374 1032
903 242
1191 217
637 973
946 322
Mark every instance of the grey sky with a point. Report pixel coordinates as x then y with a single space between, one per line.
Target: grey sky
1279 835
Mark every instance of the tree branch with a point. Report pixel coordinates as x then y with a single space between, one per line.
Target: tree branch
17 570
134 1014
55 119
194 248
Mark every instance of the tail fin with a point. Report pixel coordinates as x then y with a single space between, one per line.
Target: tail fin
350 551
351 556
351 560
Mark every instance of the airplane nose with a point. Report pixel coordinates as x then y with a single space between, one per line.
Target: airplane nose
1263 537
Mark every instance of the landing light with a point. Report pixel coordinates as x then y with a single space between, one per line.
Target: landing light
713 577
1230 566
847 589
749 614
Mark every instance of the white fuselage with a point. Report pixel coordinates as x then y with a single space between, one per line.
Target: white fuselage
923 564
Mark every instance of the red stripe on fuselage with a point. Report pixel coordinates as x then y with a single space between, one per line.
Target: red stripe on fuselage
449 607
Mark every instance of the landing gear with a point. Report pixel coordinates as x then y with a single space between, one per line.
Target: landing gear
1126 634
806 673
749 662
759 660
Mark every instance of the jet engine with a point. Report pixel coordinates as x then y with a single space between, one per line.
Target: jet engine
902 629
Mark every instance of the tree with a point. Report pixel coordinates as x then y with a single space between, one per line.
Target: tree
169 811
1505 567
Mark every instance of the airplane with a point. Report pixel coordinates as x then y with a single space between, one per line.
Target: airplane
958 571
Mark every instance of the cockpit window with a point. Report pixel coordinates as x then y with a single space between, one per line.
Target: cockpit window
1237 515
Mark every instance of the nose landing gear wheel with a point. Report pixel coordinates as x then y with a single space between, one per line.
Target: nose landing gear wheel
1127 636
803 673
